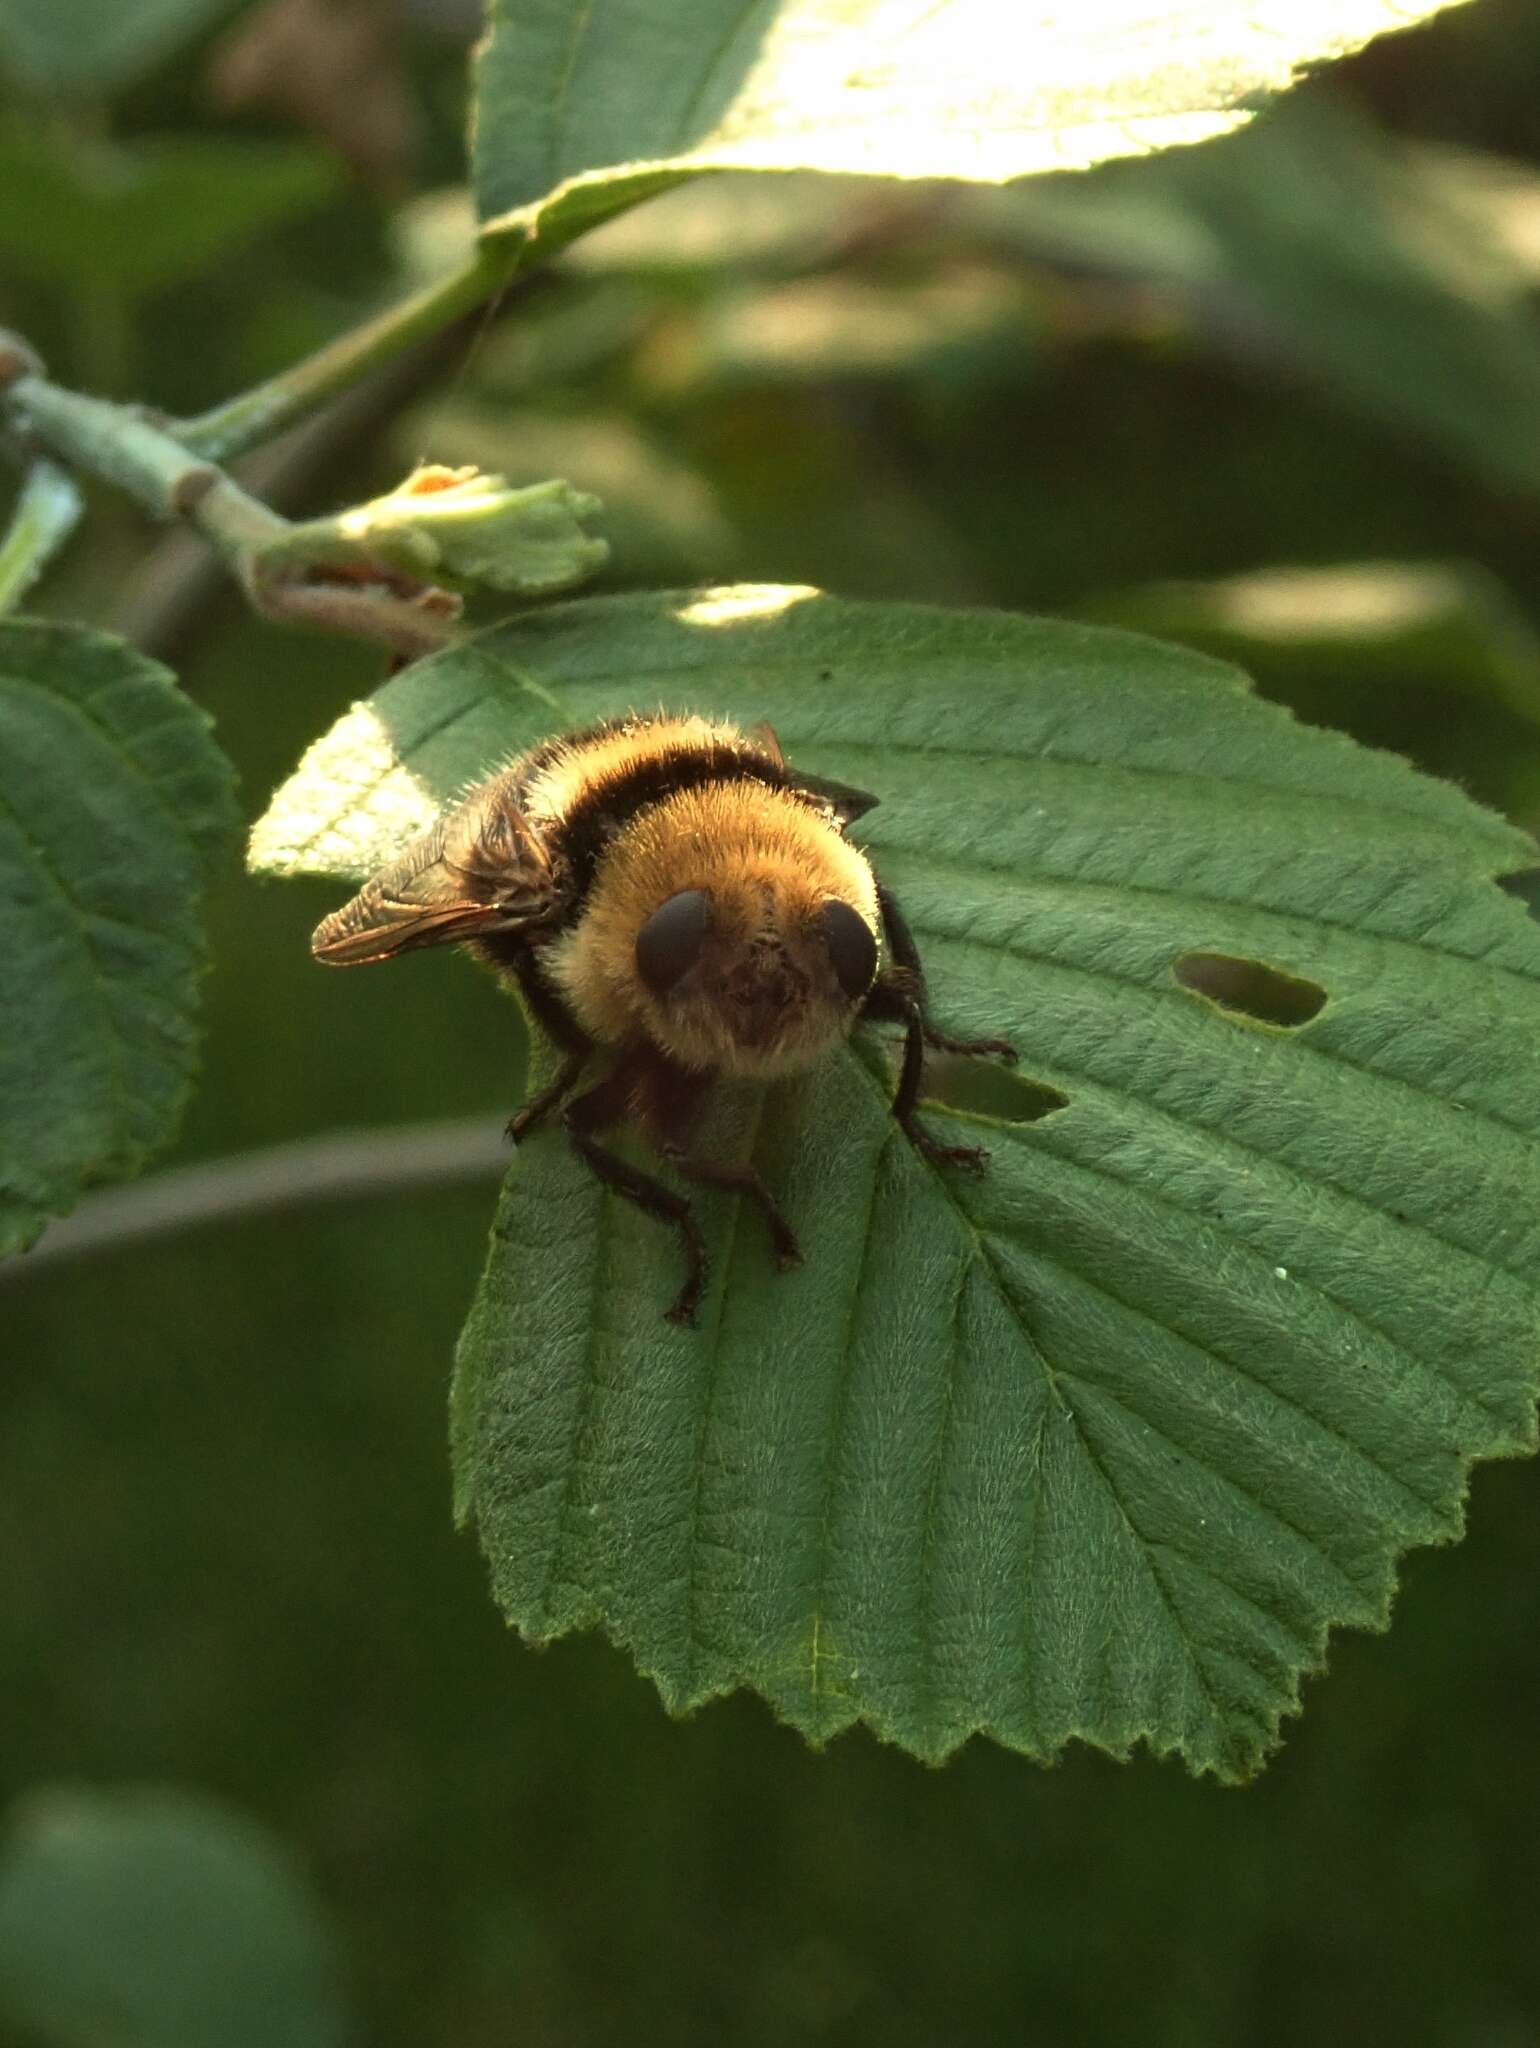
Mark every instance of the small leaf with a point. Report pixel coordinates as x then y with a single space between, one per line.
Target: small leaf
152 1919
661 515
1101 1444
96 46
584 107
141 217
113 797
459 524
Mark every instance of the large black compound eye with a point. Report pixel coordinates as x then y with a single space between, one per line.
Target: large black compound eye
852 947
669 943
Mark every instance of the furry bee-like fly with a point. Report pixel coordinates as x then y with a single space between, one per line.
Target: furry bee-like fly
668 894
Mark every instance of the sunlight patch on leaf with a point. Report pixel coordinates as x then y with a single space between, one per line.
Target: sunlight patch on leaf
385 805
732 604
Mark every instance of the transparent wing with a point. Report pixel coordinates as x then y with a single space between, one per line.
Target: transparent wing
482 868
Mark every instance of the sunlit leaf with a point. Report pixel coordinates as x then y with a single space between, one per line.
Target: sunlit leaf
151 1919
113 796
1100 1444
585 106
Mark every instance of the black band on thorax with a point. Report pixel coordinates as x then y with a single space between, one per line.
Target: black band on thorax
604 808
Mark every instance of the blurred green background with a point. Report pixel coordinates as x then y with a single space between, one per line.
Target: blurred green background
228 1564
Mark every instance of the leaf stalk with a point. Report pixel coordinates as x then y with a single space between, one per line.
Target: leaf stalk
256 415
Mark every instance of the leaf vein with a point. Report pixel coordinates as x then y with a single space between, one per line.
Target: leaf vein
837 1420
1210 1350
713 1373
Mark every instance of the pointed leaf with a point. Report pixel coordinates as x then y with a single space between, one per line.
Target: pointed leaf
585 106
1102 1443
113 797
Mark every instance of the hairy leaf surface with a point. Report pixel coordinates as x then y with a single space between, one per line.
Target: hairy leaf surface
585 106
1101 1444
113 796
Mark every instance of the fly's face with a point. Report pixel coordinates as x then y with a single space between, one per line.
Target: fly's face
757 981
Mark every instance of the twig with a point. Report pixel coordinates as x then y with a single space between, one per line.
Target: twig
257 415
164 598
48 509
137 453
348 1165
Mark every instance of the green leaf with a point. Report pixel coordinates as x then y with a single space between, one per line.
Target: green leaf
584 107
661 517
1387 275
1101 1444
96 46
140 218
113 798
465 525
152 1919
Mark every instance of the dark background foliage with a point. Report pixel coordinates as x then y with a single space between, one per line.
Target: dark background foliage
223 1484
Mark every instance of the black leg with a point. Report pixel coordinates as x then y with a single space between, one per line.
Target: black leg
742 1180
671 1096
594 1111
940 1041
538 1107
906 1099
899 997
563 1029
906 954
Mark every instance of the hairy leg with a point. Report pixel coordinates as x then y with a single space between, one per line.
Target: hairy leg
596 1110
895 1002
906 954
563 1029
673 1095
899 997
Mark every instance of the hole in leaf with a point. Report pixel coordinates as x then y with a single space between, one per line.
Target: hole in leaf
1249 988
983 1087
1525 884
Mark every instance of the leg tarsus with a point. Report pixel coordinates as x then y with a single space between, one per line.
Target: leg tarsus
533 1112
971 1158
941 1041
906 1098
901 991
603 1105
743 1180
